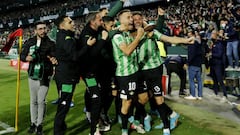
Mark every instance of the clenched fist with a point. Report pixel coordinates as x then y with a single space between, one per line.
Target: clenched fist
160 11
104 34
190 40
91 41
140 32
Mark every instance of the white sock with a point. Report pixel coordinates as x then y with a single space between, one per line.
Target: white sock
173 114
88 115
146 117
166 130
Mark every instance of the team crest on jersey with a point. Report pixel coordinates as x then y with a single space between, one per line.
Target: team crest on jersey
131 93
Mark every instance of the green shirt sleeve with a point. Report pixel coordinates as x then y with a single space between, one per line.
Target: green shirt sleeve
116 8
118 39
157 35
160 23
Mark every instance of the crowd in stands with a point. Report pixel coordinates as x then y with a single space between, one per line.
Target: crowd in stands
202 15
179 16
46 9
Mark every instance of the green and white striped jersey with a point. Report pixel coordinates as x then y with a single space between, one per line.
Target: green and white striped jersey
148 54
126 65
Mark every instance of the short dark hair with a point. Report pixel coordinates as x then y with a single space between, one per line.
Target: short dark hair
223 19
104 8
122 11
137 13
59 20
107 19
37 23
91 16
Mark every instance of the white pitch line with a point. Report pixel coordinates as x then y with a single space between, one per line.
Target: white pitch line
7 128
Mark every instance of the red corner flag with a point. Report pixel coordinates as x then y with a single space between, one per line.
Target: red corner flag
11 39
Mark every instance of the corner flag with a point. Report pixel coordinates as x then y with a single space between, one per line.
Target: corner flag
11 39
6 48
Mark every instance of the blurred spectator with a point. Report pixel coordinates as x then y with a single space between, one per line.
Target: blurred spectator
194 66
216 57
177 64
232 43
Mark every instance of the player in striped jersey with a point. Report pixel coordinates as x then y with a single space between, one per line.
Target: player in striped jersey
150 62
125 57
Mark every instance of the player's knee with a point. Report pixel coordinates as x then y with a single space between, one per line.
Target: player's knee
159 100
143 98
125 106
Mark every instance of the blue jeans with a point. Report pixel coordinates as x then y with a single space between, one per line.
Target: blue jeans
195 72
232 51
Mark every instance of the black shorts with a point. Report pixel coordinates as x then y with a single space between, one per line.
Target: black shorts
142 86
127 85
114 84
153 80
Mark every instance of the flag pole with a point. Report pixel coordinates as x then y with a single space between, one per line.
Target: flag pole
18 83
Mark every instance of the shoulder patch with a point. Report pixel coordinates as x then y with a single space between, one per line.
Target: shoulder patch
87 36
67 37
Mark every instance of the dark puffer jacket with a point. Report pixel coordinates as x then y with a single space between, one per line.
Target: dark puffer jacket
47 48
